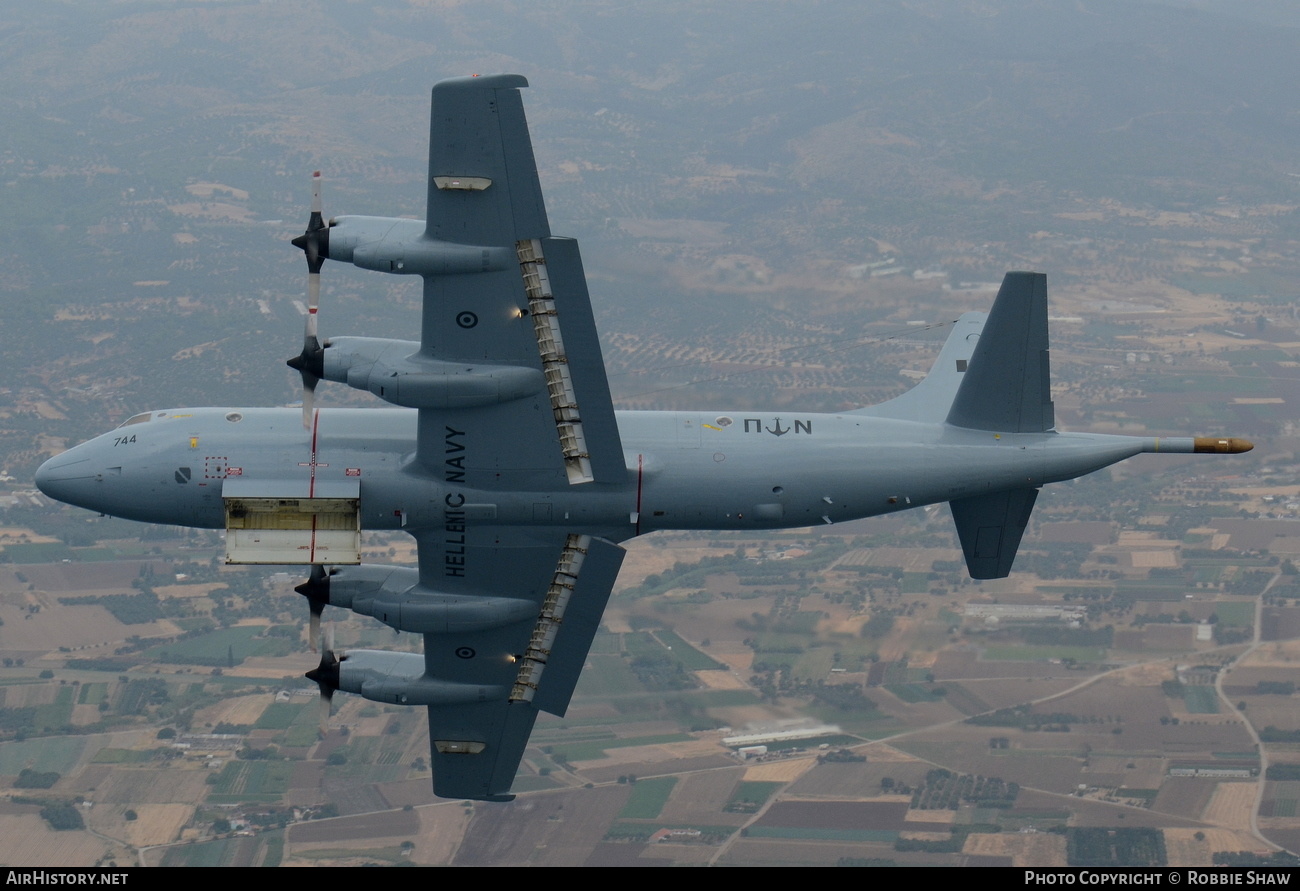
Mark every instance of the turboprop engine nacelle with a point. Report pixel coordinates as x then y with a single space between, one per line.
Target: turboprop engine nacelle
395 371
401 679
394 596
388 244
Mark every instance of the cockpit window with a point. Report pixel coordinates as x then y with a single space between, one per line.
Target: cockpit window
136 419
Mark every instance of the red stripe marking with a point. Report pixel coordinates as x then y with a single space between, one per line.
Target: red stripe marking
315 428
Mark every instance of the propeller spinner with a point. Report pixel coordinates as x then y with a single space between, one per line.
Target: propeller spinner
326 676
315 242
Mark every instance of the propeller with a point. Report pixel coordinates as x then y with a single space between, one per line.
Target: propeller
326 676
315 243
317 591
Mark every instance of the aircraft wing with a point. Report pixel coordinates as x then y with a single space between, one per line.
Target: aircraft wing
515 408
525 306
541 593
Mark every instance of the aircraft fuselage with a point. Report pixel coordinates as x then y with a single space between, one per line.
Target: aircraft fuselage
686 470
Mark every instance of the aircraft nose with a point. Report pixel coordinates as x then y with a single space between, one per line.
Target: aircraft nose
66 477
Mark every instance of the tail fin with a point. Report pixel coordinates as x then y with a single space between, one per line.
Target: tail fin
1007 386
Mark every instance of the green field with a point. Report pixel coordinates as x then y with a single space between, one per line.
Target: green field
914 692
752 794
916 582
722 698
608 676
51 552
57 714
122 756
211 853
279 716
691 658
814 663
261 781
648 798
1242 613
851 835
606 643
1201 700
92 694
387 855
267 850
591 751
224 648
301 735
57 753
1036 653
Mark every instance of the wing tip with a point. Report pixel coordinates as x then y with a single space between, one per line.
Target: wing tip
482 82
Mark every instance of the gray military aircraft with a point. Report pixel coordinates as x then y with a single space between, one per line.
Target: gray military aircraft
515 475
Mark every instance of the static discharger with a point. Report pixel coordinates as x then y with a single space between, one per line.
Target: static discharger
1201 445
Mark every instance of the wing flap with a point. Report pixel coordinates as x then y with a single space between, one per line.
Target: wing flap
570 617
569 350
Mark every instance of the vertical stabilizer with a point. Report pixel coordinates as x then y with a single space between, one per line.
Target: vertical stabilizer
1007 386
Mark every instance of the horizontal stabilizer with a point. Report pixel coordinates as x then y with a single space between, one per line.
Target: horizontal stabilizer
1007 386
990 528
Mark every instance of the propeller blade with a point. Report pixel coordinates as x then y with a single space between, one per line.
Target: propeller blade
317 591
314 243
315 221
313 305
325 708
326 676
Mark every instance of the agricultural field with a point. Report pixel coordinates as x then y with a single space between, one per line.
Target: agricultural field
909 681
